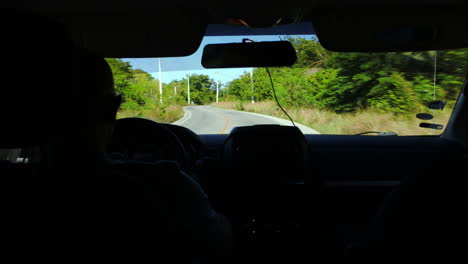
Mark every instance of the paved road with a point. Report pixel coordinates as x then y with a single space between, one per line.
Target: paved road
207 120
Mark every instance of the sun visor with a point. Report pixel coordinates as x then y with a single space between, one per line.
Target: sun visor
393 30
152 35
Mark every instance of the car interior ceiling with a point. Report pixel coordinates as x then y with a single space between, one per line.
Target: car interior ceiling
362 199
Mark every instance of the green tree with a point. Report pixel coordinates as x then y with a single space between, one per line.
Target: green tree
238 88
145 89
202 89
310 54
397 82
123 75
424 90
330 91
393 93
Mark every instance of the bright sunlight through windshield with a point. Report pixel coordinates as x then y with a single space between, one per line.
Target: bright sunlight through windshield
411 93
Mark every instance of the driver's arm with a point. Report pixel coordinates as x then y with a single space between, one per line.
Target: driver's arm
208 227
191 212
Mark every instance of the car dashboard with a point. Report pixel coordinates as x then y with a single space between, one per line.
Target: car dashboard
270 181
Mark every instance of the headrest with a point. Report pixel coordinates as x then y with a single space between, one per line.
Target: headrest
37 59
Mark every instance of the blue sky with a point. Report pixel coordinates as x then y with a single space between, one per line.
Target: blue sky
179 67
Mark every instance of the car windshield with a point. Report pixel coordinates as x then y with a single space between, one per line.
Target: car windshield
393 93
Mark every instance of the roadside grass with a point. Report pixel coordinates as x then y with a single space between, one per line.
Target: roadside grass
327 122
163 114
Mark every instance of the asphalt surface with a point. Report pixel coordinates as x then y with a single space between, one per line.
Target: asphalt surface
207 120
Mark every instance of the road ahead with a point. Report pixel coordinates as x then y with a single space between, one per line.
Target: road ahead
206 120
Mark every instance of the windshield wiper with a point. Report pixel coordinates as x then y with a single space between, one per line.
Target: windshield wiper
384 134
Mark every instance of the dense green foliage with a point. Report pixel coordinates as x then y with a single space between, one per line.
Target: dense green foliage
346 82
202 89
141 95
396 83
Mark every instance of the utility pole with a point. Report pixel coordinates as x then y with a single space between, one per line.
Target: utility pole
175 90
188 89
252 85
217 91
217 87
160 82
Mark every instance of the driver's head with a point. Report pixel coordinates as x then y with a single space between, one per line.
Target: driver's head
94 105
52 94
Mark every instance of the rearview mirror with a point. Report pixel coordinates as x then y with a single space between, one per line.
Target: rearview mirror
251 54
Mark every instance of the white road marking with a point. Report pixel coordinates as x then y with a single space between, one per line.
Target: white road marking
187 116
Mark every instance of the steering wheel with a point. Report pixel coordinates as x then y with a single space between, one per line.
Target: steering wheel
145 140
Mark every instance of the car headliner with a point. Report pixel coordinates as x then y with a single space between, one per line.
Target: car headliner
134 29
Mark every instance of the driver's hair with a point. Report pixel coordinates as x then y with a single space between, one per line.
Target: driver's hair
88 118
95 75
94 92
